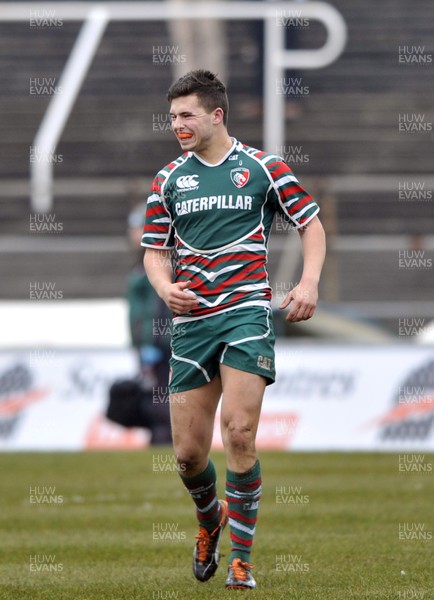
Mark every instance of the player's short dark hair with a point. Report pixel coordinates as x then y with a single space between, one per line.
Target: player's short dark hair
207 87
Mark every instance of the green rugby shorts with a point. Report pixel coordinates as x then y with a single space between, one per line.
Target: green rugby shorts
242 338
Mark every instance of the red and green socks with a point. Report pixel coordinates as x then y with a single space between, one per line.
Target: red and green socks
203 490
243 492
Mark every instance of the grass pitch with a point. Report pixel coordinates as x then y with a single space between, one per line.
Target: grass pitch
119 525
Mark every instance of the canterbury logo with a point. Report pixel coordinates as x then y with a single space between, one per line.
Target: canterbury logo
188 182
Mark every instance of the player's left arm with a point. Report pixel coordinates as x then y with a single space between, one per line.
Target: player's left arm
303 297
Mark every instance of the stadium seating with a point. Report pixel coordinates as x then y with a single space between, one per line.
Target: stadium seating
110 149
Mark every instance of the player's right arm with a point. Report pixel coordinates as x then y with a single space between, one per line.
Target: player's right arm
158 239
158 267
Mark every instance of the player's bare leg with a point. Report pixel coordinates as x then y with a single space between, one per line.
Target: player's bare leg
192 416
241 408
240 412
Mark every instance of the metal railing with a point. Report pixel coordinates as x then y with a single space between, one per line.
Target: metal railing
97 16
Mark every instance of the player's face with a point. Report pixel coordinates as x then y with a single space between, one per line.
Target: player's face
192 125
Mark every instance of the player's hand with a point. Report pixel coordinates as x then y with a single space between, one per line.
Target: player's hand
177 299
302 299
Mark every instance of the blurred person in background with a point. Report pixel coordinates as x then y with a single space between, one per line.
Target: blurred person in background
144 401
149 321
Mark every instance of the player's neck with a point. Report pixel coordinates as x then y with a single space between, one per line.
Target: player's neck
217 149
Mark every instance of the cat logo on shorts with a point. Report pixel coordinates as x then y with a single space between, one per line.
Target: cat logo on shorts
240 176
265 363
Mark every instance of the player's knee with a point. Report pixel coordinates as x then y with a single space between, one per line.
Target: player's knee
188 459
239 438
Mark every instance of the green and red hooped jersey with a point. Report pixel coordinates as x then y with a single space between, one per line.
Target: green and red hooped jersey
218 220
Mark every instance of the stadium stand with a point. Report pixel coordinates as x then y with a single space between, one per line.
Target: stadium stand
115 140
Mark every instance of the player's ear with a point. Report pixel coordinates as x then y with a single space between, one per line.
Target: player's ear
218 115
